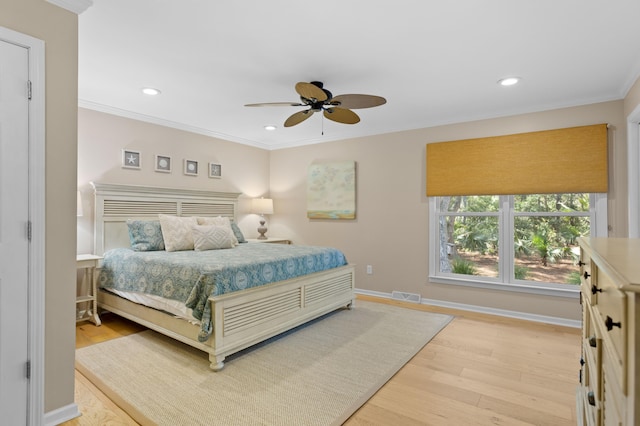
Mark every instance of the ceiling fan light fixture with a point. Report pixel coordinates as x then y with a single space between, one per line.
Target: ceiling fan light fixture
270 127
150 91
318 99
509 81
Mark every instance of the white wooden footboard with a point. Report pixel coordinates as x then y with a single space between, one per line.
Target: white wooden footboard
244 318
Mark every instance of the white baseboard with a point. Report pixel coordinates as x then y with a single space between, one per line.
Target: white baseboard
61 415
485 310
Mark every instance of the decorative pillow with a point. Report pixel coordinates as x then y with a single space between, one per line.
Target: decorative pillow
145 235
176 232
219 221
237 232
211 237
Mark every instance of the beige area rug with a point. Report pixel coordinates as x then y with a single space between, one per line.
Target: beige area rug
316 374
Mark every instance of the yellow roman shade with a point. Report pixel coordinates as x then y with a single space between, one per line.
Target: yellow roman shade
550 161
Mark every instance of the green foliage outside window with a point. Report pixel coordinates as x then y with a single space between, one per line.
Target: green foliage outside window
543 228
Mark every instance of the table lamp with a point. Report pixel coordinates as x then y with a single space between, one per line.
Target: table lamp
262 206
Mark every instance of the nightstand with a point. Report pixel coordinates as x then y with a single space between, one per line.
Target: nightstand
270 240
86 301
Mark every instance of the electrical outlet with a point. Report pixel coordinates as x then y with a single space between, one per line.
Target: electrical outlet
369 269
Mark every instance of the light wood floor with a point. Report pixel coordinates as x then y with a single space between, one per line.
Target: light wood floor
479 370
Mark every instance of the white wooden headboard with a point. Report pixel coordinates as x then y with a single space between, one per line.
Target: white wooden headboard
114 204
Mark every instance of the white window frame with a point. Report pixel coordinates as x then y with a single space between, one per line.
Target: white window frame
599 228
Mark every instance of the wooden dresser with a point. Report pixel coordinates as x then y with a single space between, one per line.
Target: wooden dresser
609 392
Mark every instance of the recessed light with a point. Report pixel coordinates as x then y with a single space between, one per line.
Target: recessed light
509 81
150 91
270 127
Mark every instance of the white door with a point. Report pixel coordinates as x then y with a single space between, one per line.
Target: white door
14 243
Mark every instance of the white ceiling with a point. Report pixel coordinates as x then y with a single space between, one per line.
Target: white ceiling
435 62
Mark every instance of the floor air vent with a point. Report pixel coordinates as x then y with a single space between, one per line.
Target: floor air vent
406 297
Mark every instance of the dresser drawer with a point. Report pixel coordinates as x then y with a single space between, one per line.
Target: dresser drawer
586 278
592 355
611 312
589 412
612 400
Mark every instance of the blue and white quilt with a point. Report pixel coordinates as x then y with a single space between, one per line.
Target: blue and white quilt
191 277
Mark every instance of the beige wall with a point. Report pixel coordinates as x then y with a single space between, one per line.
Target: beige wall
391 229
102 137
59 29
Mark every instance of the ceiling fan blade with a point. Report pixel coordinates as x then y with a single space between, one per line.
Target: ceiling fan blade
275 104
341 115
310 91
298 117
358 101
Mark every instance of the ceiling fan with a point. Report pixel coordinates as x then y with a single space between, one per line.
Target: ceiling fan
335 108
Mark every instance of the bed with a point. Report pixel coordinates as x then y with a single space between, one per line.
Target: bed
224 314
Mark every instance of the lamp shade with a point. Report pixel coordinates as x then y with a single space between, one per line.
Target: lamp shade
262 206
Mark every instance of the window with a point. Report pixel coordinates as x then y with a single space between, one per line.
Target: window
519 242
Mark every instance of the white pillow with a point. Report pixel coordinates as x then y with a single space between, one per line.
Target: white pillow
219 221
211 237
176 232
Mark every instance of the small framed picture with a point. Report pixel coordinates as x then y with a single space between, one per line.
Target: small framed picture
215 170
131 159
163 163
191 167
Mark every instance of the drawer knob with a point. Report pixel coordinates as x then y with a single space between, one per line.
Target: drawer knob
593 342
586 275
591 398
581 263
595 289
610 324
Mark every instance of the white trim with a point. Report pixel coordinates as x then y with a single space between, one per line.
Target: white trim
597 214
521 286
61 415
565 322
633 159
37 205
75 6
167 123
37 110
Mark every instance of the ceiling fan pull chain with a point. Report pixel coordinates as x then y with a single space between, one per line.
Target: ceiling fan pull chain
322 121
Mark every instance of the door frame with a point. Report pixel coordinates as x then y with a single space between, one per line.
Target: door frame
633 158
36 54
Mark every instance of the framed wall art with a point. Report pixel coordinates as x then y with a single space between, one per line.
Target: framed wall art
191 167
331 190
131 159
215 170
163 163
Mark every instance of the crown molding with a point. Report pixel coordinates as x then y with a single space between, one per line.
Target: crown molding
75 6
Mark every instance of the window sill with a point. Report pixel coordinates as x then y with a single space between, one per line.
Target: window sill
572 292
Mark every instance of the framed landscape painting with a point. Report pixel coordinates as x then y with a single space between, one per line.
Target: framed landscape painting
331 190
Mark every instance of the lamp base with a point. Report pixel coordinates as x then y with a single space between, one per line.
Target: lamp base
262 230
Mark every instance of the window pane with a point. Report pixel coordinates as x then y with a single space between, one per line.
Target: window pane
469 245
546 249
470 203
552 203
